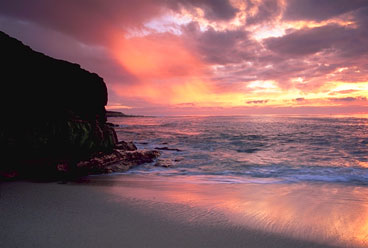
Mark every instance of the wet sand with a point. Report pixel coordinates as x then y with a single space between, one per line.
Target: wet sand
145 211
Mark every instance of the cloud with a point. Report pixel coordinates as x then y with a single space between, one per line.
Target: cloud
156 56
214 10
88 21
199 53
308 41
266 10
317 10
348 99
257 102
361 17
342 92
220 47
327 53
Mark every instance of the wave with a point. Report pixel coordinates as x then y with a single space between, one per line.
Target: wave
267 174
260 149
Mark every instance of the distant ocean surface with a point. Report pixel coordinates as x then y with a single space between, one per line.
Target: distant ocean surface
254 149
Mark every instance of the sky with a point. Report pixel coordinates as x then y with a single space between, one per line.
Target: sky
208 57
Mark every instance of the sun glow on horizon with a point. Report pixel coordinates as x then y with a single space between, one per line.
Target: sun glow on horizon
171 70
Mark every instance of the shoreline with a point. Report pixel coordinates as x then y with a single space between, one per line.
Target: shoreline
144 211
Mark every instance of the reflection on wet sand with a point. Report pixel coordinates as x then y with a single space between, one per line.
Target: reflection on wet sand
324 213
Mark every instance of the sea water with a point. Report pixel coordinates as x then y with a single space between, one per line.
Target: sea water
255 149
302 177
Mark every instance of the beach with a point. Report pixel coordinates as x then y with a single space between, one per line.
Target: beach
184 124
150 211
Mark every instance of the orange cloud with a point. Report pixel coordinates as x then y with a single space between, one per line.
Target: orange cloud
158 56
168 72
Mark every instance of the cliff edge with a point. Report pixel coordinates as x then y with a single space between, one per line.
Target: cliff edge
53 115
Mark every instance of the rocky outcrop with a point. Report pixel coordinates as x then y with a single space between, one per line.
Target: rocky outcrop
53 113
117 161
119 114
115 114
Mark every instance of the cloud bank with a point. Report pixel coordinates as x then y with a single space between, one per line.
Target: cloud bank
186 56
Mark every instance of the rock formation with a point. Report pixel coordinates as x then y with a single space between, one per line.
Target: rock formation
115 114
53 113
119 114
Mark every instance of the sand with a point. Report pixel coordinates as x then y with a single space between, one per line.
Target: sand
134 211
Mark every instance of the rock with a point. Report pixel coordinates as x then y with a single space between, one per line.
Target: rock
111 124
168 149
8 175
118 161
125 146
62 167
163 162
115 114
119 114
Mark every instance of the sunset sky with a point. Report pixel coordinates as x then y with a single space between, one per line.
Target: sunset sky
208 57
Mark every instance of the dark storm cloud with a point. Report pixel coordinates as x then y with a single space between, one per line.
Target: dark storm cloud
319 10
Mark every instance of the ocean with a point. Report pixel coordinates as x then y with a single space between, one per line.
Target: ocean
253 149
239 181
300 177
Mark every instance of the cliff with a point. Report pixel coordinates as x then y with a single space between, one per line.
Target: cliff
53 113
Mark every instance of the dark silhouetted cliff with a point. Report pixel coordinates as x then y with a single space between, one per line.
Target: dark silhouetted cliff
52 111
39 83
